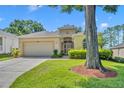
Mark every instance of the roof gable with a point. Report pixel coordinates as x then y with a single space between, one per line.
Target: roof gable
40 34
3 33
118 46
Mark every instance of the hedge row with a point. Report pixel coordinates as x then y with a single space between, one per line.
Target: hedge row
118 59
77 54
81 54
105 54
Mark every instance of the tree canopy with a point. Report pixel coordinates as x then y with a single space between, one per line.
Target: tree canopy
101 40
70 8
114 35
21 27
79 29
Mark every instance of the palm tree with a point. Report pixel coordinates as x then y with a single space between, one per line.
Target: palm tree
92 58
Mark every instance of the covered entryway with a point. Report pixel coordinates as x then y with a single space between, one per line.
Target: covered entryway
67 44
38 48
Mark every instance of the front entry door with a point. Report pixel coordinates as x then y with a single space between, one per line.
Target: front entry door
67 46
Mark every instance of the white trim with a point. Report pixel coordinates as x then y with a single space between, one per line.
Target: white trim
39 36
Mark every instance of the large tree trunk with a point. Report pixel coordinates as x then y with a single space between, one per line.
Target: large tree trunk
92 57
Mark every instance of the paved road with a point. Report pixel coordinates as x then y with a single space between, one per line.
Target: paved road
13 68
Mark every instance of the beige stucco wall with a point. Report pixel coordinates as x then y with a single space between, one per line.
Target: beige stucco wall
121 52
118 52
55 40
78 41
115 52
67 31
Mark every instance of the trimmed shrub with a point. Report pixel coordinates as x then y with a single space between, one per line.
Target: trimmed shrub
55 52
62 53
105 54
77 54
16 52
56 55
81 54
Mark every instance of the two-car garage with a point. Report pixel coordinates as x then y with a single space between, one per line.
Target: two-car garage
38 48
39 44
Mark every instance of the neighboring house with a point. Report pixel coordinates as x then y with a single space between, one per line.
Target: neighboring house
44 43
118 51
7 42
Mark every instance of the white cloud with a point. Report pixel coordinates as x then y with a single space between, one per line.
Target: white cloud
83 23
110 17
34 7
104 25
96 19
1 19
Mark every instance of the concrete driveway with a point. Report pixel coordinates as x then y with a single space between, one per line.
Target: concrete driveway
13 68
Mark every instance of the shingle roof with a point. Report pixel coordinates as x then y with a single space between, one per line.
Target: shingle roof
40 34
7 34
118 46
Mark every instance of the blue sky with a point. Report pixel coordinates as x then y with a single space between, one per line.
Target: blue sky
52 18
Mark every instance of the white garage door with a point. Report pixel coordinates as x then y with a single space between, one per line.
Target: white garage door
38 49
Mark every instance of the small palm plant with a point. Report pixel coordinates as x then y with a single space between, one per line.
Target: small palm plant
16 52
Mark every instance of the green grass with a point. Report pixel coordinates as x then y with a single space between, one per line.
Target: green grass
4 57
57 74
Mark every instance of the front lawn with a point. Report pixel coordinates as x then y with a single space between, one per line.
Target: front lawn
57 74
4 57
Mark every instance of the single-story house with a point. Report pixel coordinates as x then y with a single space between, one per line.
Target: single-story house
7 42
118 51
44 43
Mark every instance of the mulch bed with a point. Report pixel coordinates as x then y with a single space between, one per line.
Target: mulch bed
82 70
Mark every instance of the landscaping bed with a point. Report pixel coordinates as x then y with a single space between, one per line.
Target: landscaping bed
58 74
82 70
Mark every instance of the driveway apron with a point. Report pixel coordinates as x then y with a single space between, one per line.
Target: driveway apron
13 68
